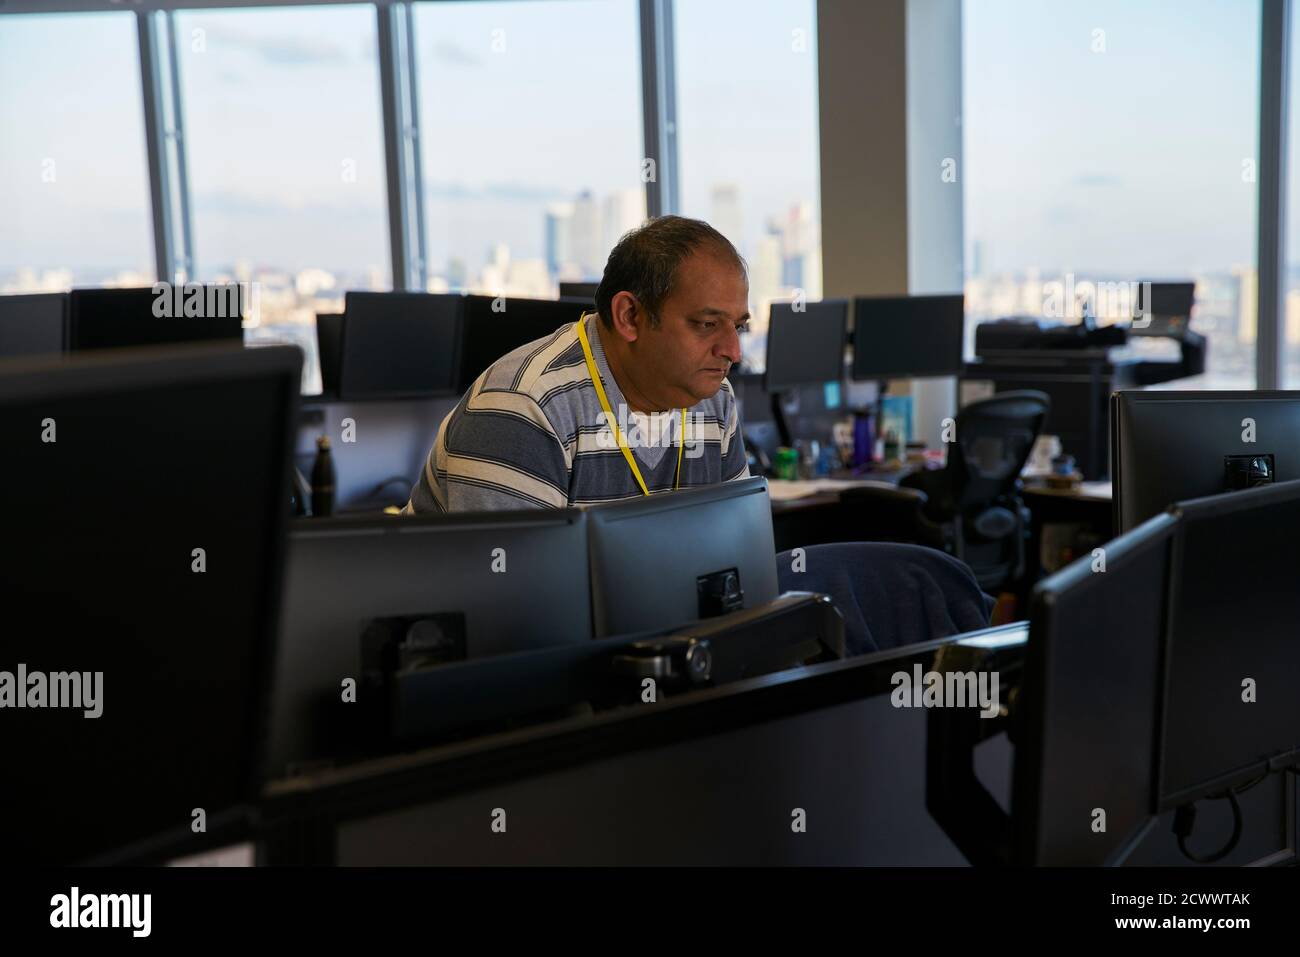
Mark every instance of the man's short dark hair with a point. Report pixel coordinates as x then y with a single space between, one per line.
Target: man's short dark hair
644 262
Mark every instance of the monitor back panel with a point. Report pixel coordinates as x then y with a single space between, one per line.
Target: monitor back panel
1233 658
901 336
399 345
1090 700
120 318
1171 446
32 325
806 346
134 549
509 581
647 554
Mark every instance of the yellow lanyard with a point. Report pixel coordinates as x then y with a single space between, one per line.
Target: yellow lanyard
613 423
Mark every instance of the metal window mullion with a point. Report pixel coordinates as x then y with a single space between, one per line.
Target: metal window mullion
175 116
415 170
393 137
155 145
1275 34
402 146
659 105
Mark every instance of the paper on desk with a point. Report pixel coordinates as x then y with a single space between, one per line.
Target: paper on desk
784 490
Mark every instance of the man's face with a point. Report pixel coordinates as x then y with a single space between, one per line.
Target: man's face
697 341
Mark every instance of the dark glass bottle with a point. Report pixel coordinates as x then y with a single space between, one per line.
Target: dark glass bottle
322 479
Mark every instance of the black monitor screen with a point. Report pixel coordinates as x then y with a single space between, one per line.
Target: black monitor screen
114 318
1167 298
1233 659
32 325
145 498
1171 446
579 290
904 336
805 346
399 344
1089 702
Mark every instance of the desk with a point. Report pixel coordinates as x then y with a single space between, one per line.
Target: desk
810 512
786 494
708 777
1066 523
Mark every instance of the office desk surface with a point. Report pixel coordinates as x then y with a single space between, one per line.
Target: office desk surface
786 490
1085 492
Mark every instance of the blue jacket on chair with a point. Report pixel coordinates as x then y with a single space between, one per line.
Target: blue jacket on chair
889 595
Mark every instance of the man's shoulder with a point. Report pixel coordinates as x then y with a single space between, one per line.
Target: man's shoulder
542 370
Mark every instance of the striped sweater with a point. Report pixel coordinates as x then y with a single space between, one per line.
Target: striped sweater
530 433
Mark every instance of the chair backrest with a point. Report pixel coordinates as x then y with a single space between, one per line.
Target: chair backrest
994 439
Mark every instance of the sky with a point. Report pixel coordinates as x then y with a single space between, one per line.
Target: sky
1117 161
521 103
1122 159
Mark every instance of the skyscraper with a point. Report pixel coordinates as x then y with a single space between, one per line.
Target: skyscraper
559 237
726 213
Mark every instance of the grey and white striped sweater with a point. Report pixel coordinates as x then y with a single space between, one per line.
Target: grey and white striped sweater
530 433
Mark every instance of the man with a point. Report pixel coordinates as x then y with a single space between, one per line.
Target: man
627 401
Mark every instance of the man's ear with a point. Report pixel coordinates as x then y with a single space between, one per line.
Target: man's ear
629 318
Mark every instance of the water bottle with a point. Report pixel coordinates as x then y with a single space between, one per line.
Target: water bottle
322 479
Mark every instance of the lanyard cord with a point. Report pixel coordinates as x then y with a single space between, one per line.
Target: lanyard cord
613 423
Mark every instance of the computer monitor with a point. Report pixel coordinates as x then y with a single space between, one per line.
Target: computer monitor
398 345
33 325
1089 701
329 350
674 557
1232 661
896 337
494 327
805 346
579 290
1170 446
117 318
472 585
1168 299
145 497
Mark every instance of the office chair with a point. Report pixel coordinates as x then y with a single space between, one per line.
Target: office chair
974 501
871 512
889 594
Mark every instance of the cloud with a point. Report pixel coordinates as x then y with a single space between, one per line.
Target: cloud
1099 180
507 191
251 206
281 50
453 54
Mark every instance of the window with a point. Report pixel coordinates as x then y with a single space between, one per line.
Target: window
1289 339
74 181
286 164
1114 141
747 140
531 140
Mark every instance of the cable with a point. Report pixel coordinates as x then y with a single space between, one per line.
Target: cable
1185 820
